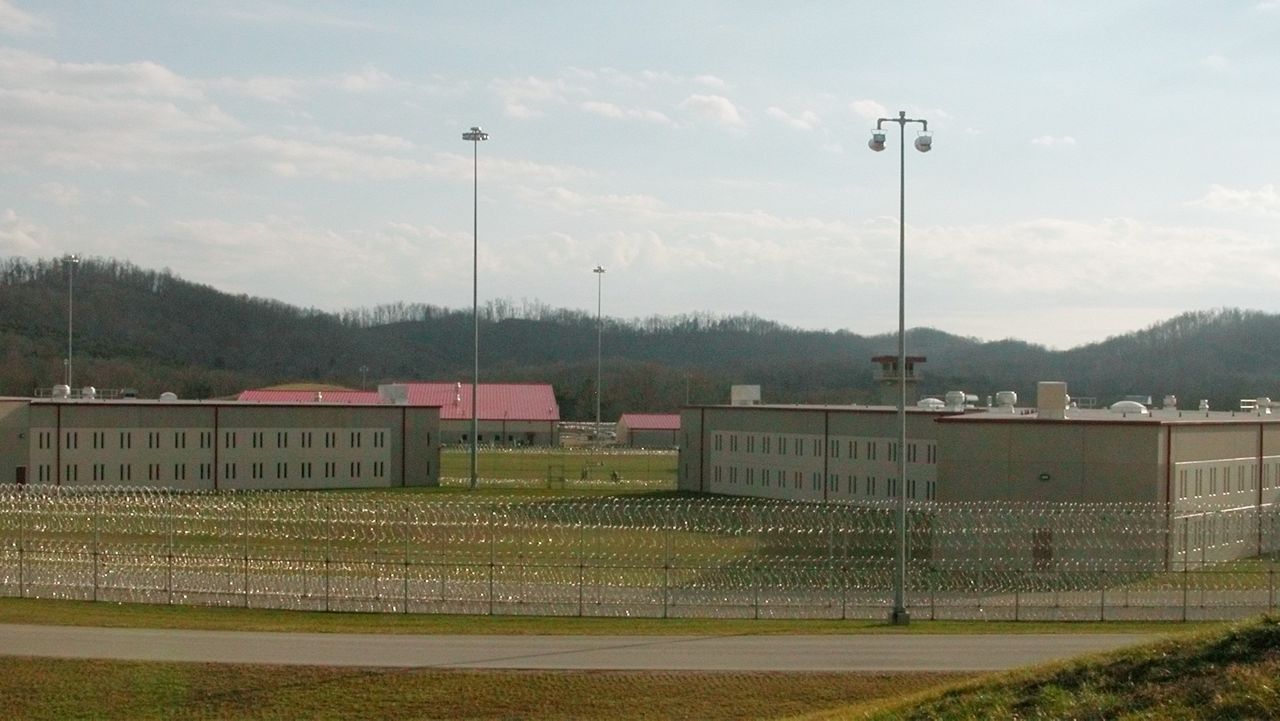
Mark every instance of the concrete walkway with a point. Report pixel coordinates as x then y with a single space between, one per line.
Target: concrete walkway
788 653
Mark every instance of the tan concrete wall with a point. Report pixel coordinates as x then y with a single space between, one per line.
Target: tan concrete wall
689 471
234 446
1050 462
14 444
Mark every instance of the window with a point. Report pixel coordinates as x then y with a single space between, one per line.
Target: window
853 485
817 447
796 480
911 487
799 446
153 472
717 442
356 437
282 439
257 439
126 472
282 470
179 439
305 470
765 442
834 450
71 440
72 474
99 439
153 439
871 485
871 450
931 490
306 439
229 439
751 444
229 471
782 445
853 450
1182 483
892 488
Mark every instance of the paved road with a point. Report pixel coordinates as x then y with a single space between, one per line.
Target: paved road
880 652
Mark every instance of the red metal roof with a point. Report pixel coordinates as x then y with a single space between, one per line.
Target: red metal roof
651 421
497 401
267 395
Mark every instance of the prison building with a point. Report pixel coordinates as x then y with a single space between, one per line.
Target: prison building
1219 469
649 430
509 414
226 445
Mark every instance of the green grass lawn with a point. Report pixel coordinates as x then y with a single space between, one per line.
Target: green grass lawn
563 465
1222 673
57 689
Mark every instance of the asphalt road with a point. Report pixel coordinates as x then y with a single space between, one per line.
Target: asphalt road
787 653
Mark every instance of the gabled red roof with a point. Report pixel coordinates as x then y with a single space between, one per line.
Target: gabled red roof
651 421
497 401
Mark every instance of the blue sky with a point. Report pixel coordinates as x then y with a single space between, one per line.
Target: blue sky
1097 166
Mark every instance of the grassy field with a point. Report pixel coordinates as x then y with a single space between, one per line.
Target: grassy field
55 689
558 466
1218 674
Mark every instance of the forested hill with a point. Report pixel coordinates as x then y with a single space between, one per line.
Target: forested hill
156 332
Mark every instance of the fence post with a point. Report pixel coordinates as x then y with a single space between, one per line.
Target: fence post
666 568
1102 597
97 522
1186 566
407 525
22 542
244 530
582 559
168 580
492 521
328 548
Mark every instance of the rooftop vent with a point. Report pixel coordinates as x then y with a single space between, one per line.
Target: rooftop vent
931 404
168 397
1007 400
62 391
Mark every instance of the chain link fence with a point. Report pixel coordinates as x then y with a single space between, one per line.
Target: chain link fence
655 557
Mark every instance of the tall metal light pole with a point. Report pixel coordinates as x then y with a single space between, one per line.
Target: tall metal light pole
475 136
599 271
923 143
70 262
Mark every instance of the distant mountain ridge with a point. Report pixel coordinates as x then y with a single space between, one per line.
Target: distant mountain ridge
156 332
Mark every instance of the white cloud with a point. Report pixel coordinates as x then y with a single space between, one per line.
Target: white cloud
271 89
1216 62
1264 201
521 96
15 21
1051 141
710 81
806 120
21 237
713 108
868 109
58 194
610 110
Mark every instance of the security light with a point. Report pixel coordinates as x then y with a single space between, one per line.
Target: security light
924 143
876 142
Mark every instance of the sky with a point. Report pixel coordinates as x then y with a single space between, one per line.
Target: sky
1097 166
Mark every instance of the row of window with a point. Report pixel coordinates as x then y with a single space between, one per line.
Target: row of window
1202 482
847 485
230 439
852 449
98 472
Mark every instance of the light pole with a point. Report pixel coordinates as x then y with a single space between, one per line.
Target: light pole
70 261
475 136
599 271
923 143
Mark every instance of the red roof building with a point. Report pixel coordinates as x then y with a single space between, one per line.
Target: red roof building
508 413
649 430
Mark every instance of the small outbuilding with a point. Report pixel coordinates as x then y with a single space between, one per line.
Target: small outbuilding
649 430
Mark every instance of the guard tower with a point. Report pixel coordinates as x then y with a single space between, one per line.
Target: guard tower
887 378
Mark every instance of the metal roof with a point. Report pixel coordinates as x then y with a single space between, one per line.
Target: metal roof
651 421
497 401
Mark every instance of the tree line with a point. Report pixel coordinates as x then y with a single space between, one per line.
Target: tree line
153 331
